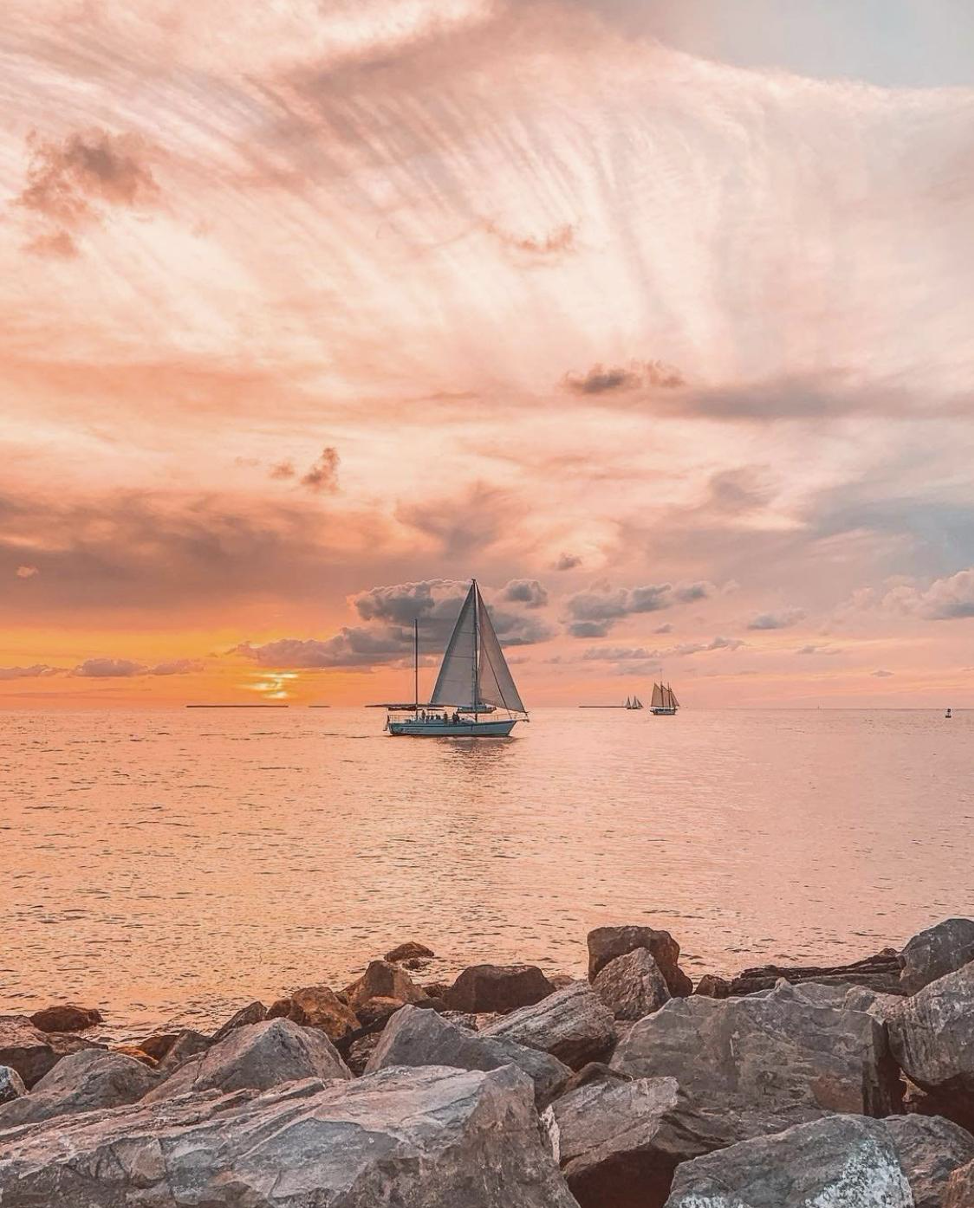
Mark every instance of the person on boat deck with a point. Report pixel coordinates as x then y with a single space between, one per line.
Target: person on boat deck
456 717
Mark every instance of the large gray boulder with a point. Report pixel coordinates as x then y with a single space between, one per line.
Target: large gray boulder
839 1162
32 1053
572 1024
258 1056
934 953
758 1065
619 1142
11 1085
426 1138
930 1150
607 943
81 1082
416 1038
932 1037
632 986
497 988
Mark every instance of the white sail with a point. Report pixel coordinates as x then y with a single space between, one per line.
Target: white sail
496 684
456 683
657 702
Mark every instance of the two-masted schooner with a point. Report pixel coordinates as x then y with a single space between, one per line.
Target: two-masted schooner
633 703
474 682
664 702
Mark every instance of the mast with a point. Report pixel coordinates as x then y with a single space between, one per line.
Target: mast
475 696
416 666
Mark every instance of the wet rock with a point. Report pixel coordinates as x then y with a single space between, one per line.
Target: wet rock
607 943
427 1138
137 1054
158 1044
960 1188
573 1025
932 1038
418 1038
930 1150
11 1085
382 979
498 988
410 951
880 972
258 1055
81 1082
65 1017
378 1010
317 1007
936 952
632 986
615 1143
187 1044
254 1012
839 1162
712 986
31 1052
750 1066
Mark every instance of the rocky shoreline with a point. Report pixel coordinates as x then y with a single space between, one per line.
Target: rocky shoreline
785 1087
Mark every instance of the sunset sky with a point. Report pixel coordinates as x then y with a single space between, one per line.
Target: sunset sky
656 316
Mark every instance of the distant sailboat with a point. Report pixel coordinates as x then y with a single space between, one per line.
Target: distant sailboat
948 714
664 702
474 679
635 703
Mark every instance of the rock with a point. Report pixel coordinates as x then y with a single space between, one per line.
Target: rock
382 979
31 1052
932 1037
359 1052
418 1038
632 986
499 988
930 1150
960 1188
437 990
426 1138
712 986
11 1085
81 1082
378 1010
751 1066
158 1044
410 951
614 1141
187 1044
65 1017
258 1055
133 1051
254 1012
594 1071
936 952
880 972
839 1162
606 943
560 980
861 998
573 1025
317 1007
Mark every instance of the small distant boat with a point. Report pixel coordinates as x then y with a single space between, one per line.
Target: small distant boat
664 702
947 715
474 681
635 703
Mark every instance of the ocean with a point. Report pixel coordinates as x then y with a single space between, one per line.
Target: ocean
169 866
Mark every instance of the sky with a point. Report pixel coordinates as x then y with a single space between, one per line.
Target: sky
655 317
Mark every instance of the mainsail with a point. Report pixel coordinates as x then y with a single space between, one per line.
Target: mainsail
657 702
475 673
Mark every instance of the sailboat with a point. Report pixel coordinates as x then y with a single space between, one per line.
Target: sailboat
634 703
664 702
474 681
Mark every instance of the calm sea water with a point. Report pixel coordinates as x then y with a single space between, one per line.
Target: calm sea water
168 867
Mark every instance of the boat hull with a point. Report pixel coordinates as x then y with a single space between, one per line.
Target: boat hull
663 712
448 729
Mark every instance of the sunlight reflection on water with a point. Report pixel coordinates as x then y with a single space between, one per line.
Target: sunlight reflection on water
170 866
